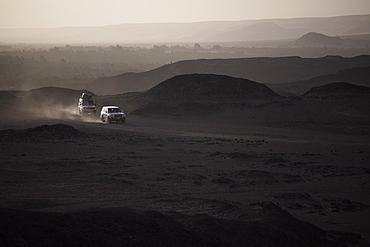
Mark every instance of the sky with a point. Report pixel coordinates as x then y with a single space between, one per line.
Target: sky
61 13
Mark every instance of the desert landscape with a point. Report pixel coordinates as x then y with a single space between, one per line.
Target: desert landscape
202 160
244 123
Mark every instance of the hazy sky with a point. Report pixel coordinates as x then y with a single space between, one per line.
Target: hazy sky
57 13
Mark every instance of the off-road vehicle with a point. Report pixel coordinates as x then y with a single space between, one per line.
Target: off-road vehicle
86 105
112 114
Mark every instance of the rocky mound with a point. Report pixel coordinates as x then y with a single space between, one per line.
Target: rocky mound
42 133
209 85
338 89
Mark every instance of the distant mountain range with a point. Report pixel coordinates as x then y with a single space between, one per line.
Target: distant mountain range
262 70
212 31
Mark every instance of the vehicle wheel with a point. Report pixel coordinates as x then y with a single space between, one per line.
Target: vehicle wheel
108 120
123 120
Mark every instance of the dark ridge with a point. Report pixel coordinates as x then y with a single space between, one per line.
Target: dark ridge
209 85
357 75
42 133
127 227
337 89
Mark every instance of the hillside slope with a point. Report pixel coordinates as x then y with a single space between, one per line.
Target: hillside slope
262 70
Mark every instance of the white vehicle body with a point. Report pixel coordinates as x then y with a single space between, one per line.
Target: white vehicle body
112 114
86 105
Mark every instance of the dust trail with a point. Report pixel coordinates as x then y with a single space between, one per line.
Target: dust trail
63 113
45 105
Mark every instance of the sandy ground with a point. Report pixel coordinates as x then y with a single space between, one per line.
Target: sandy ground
182 169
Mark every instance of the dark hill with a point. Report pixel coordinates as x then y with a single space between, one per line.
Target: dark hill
342 103
338 89
200 95
358 76
209 85
263 70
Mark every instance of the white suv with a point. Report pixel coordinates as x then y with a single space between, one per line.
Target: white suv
112 114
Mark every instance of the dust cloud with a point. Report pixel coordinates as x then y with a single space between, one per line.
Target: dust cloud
45 103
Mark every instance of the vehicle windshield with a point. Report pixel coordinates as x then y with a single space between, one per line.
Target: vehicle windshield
110 110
